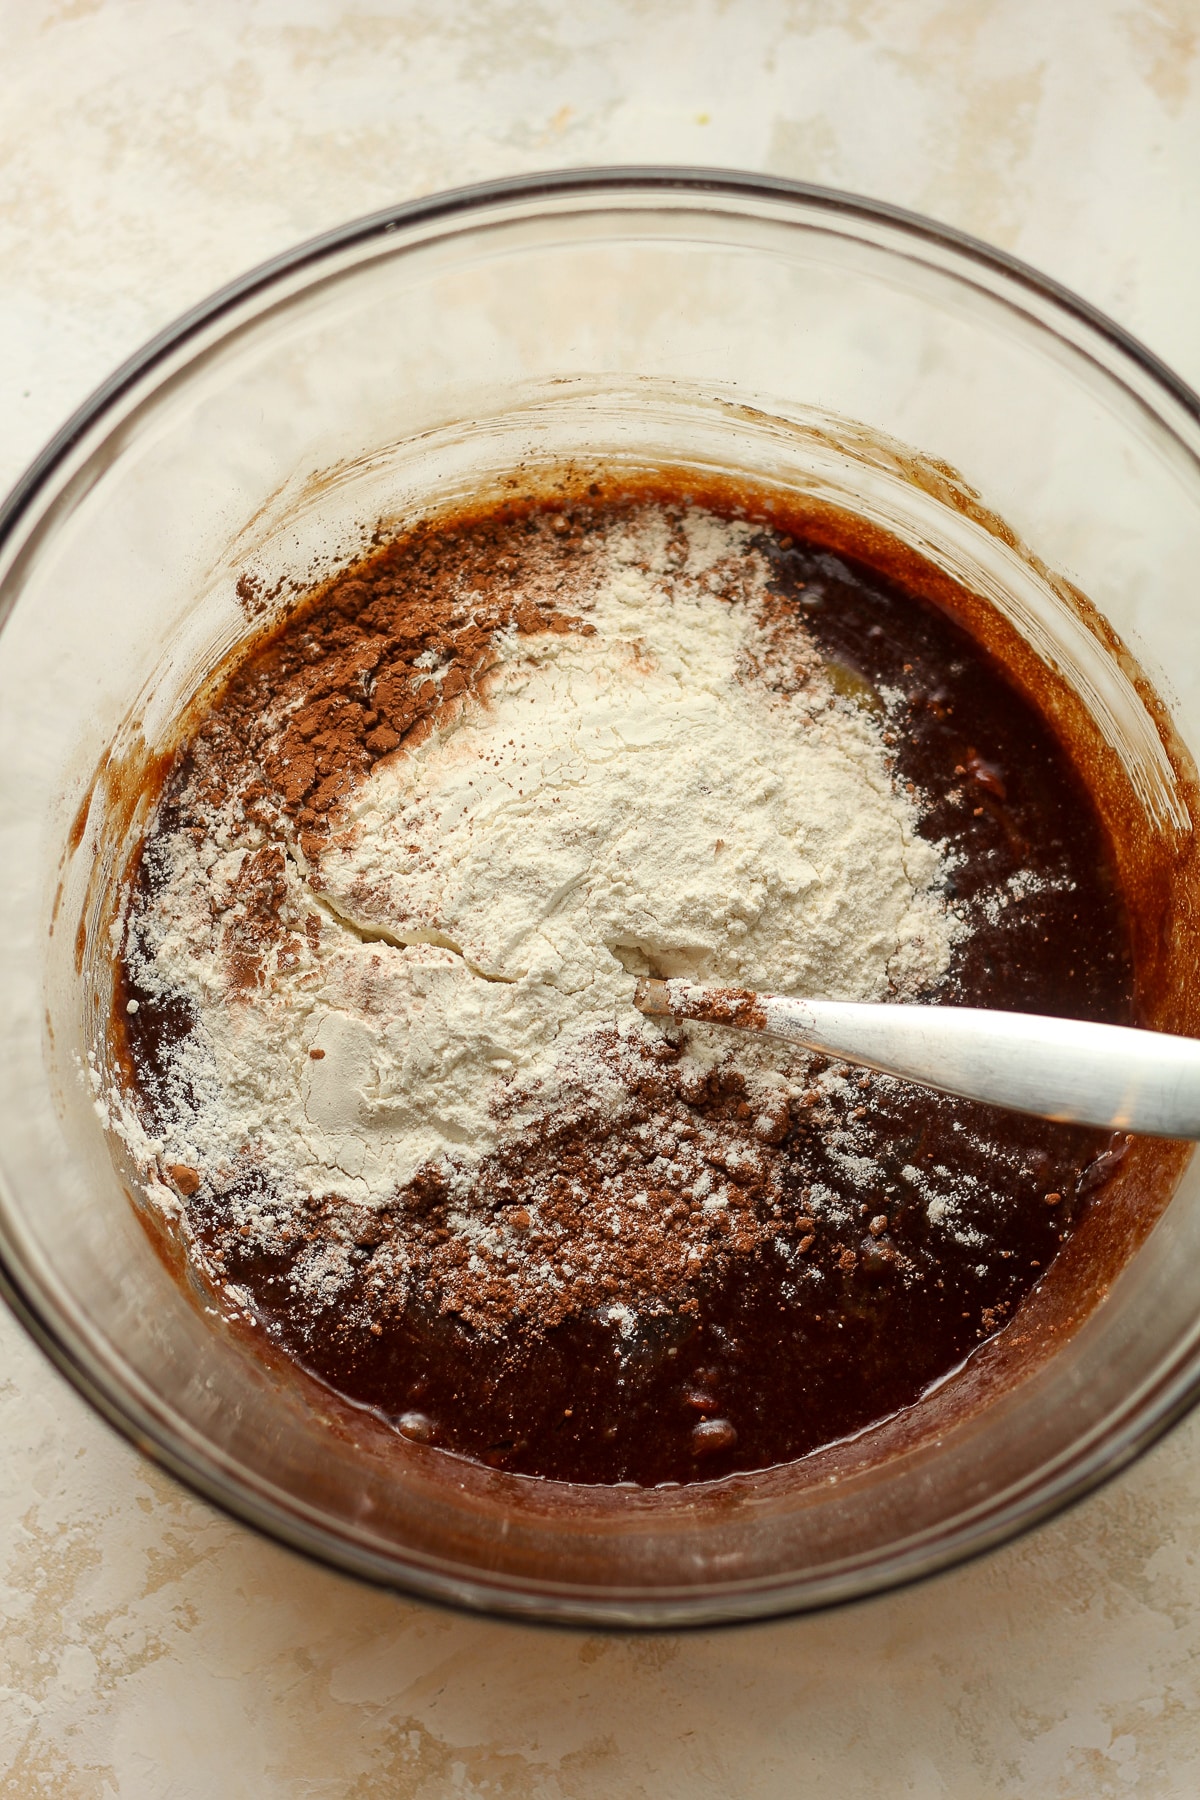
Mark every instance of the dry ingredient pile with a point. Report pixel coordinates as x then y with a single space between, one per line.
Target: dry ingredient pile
381 1064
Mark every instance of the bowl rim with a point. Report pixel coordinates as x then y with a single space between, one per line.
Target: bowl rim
1150 1415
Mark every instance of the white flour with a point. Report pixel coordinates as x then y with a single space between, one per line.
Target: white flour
633 800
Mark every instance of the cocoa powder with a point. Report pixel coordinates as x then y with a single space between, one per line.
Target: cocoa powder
640 1206
365 669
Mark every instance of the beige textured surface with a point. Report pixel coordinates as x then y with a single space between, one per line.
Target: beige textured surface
150 149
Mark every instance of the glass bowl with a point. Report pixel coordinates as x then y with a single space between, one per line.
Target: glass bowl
862 359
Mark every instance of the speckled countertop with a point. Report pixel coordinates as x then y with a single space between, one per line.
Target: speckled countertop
151 149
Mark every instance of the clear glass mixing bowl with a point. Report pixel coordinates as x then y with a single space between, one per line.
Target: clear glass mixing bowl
865 359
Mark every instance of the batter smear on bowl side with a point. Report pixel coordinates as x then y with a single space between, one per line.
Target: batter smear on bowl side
376 1054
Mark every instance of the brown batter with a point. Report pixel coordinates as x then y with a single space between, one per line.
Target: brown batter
768 1334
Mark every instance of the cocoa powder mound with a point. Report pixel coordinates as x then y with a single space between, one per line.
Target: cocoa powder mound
610 1211
368 667
641 1206
373 665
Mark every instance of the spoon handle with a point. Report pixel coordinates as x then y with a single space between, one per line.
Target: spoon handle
1109 1075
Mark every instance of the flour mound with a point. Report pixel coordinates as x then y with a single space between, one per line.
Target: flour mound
667 791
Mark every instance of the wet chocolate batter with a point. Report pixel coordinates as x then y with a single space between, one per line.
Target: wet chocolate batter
795 1336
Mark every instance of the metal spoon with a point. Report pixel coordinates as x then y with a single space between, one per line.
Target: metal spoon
1110 1075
